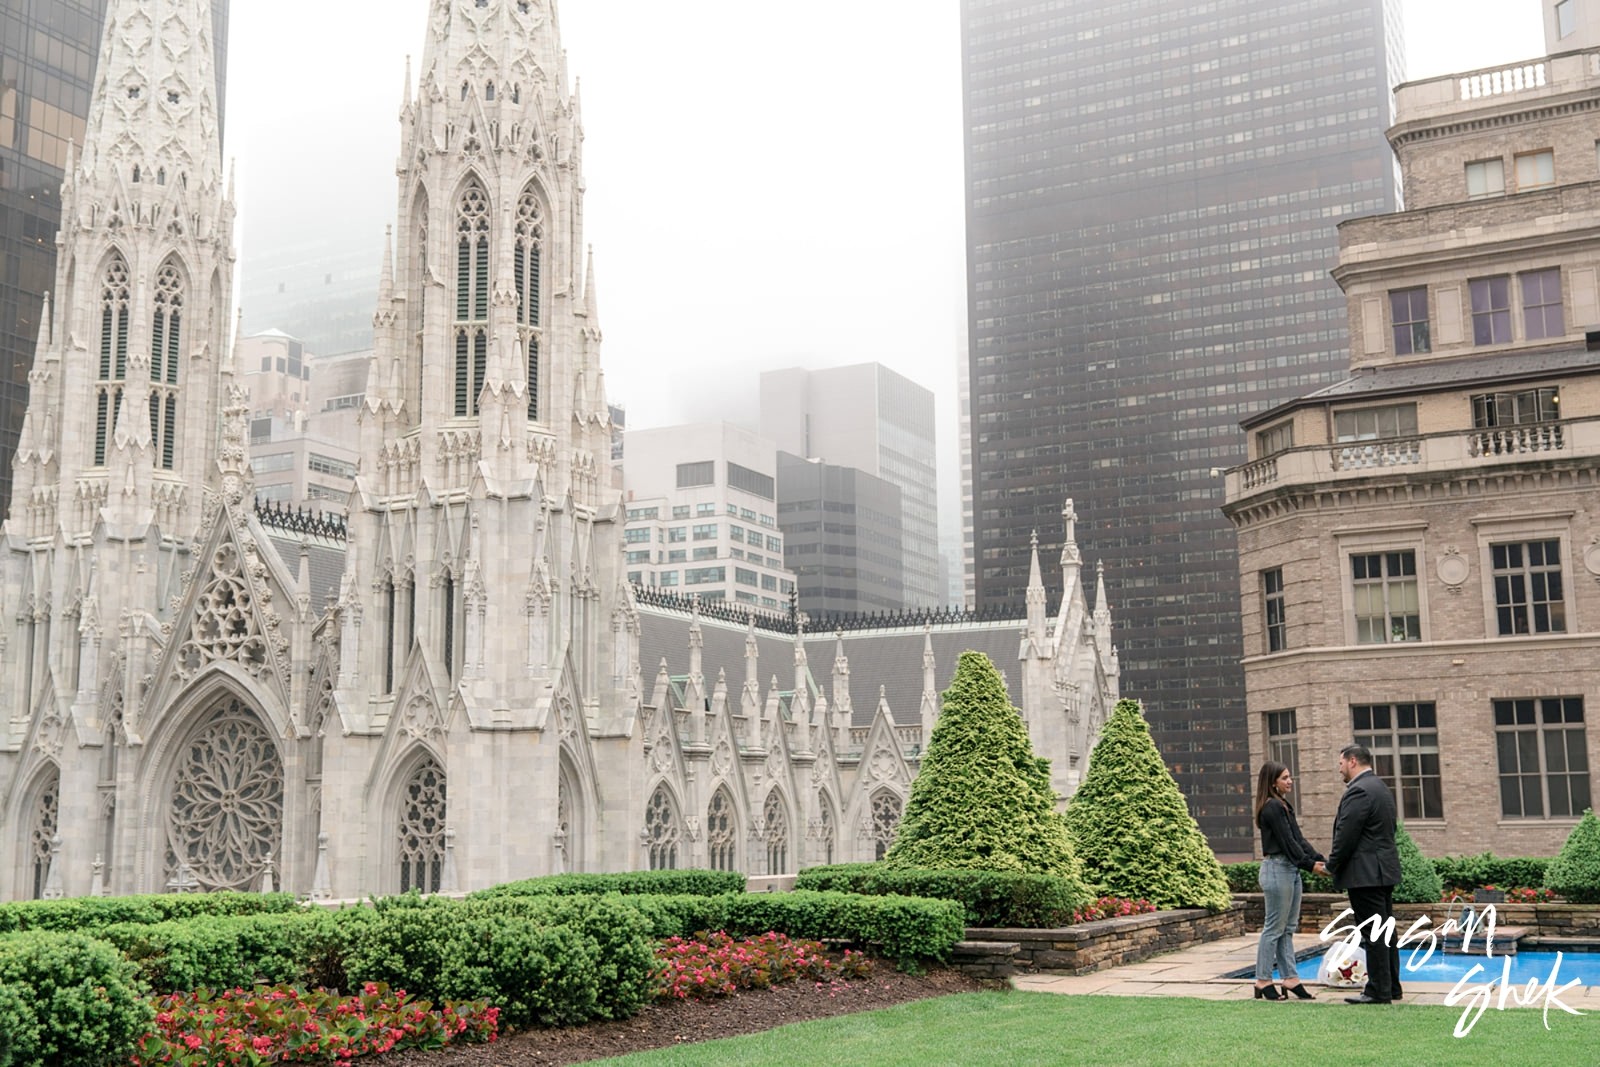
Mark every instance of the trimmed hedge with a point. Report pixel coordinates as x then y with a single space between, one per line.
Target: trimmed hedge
229 951
1455 872
1473 872
991 898
88 915
543 961
699 883
67 1000
1419 880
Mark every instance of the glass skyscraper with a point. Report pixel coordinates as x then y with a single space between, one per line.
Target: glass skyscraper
48 51
1152 194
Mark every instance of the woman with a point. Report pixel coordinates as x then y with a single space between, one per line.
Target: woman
1286 853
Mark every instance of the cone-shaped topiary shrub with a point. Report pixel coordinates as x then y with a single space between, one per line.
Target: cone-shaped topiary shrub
1575 873
1419 878
982 800
1131 828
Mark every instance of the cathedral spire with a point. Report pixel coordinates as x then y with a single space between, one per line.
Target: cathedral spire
1035 594
153 116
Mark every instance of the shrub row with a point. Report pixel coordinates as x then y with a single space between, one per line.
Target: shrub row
89 915
991 898
699 883
1456 872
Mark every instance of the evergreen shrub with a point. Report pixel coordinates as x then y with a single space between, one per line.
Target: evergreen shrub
1575 872
981 799
1131 828
1419 879
68 1001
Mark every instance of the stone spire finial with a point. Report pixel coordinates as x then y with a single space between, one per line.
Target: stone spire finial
1070 557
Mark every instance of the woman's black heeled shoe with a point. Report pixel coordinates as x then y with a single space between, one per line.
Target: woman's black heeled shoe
1299 990
1269 992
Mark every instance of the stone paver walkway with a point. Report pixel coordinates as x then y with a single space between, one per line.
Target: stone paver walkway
1197 972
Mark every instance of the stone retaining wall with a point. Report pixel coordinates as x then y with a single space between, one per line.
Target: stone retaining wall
1094 946
1580 921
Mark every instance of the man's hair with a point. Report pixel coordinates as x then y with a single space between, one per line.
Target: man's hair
1358 752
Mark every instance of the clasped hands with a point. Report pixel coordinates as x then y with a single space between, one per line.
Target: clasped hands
1319 868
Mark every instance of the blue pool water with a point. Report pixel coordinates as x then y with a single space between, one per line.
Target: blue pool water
1525 967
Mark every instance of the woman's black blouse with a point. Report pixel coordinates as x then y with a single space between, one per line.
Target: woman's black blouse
1281 836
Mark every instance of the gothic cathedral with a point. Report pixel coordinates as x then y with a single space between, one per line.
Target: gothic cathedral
446 691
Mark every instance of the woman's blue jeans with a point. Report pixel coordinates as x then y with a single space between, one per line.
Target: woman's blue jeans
1280 885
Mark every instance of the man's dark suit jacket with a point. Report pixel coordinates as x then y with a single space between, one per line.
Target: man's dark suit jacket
1363 852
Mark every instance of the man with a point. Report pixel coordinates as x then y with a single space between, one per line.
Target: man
1366 864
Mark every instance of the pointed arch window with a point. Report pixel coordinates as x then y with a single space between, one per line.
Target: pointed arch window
388 634
661 831
46 821
115 302
722 837
225 802
826 834
449 649
166 337
886 812
472 296
775 819
526 271
422 815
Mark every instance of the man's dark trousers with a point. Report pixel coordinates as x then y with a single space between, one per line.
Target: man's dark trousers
1383 959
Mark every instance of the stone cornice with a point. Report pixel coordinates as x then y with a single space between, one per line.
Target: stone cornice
1405 134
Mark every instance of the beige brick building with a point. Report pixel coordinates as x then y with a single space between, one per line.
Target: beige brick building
1420 543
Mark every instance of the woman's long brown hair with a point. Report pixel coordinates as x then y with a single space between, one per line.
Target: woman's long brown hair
1264 780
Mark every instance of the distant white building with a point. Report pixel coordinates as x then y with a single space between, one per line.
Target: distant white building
702 514
304 438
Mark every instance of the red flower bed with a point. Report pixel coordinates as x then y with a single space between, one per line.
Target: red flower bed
711 965
281 1024
1521 895
1111 908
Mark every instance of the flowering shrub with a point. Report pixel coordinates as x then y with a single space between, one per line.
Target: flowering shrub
283 1024
710 965
1513 896
1111 908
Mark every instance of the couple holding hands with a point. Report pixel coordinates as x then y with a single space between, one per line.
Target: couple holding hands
1363 861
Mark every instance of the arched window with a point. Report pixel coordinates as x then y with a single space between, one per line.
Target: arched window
166 332
46 820
722 838
826 834
526 271
449 649
472 296
488 92
115 301
661 831
886 811
775 816
225 807
388 634
422 815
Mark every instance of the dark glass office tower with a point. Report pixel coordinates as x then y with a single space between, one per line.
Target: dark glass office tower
48 51
1152 191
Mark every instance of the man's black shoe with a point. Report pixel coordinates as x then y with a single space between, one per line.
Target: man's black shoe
1364 999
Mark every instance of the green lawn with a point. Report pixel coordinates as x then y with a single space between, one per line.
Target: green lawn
1006 1028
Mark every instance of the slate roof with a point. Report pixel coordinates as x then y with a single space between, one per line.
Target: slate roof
324 538
890 657
1402 378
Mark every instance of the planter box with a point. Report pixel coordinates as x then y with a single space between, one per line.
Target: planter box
1090 947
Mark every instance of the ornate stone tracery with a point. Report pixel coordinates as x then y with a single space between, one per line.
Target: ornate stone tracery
225 626
422 828
886 811
775 821
45 821
661 831
225 805
722 839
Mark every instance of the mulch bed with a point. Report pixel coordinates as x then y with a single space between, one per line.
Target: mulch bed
682 1022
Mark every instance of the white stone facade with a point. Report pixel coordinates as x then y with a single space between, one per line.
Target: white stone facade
446 692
